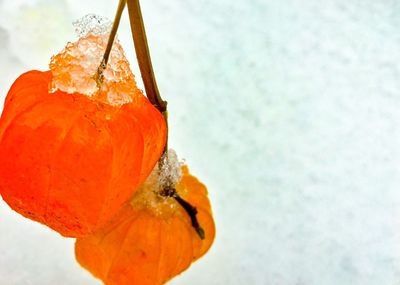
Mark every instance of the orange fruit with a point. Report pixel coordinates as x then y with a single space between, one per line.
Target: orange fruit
152 239
70 161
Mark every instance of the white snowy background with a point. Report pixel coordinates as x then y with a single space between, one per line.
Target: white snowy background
288 110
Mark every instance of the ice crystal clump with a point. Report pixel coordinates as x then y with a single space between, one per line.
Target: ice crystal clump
92 24
166 173
75 67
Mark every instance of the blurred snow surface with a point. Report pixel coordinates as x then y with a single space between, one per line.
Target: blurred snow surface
287 110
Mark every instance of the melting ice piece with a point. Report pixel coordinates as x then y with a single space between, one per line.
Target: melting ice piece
75 67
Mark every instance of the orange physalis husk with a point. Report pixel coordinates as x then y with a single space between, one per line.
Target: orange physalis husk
152 239
70 161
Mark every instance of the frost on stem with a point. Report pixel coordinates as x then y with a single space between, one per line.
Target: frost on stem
74 67
170 172
166 173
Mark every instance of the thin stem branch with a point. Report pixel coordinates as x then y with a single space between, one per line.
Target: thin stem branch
99 74
189 208
143 56
192 212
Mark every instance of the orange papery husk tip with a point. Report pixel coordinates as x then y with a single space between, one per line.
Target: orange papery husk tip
151 240
72 153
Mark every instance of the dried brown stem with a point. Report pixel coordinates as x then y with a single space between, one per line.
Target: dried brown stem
143 55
